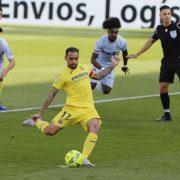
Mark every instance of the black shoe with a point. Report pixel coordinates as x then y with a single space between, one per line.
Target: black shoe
165 117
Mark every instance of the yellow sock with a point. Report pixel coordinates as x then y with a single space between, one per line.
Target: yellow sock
1 85
89 144
41 124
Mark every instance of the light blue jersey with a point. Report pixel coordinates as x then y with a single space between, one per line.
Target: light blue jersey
106 49
4 49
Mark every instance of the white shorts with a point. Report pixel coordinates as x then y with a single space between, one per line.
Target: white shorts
107 80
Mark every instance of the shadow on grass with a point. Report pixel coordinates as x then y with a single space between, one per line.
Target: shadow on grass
32 95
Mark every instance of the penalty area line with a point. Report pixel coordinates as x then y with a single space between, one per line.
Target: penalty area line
96 102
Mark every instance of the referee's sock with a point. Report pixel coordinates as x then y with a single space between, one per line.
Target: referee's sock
165 100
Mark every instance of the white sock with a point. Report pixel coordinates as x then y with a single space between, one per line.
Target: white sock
167 110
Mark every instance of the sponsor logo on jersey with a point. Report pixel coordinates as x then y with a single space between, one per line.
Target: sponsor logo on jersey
80 76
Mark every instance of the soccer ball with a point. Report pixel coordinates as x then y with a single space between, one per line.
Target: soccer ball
73 158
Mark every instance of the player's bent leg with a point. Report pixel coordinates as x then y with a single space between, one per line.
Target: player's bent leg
93 85
51 129
106 89
107 83
93 125
44 126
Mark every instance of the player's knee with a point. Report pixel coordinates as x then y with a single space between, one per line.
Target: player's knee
93 85
49 131
163 88
94 127
106 90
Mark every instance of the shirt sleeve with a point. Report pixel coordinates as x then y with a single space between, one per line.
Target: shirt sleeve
7 51
58 82
98 45
155 35
123 44
91 71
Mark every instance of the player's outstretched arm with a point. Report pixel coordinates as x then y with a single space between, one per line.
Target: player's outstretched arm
146 46
115 61
125 68
47 102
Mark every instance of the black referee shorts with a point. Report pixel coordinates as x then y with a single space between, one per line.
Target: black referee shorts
167 73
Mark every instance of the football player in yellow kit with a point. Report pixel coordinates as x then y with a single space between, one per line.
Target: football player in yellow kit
79 108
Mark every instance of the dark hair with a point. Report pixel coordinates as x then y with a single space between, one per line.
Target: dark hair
112 22
0 8
164 7
72 49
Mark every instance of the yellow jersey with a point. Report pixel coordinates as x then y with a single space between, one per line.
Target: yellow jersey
76 84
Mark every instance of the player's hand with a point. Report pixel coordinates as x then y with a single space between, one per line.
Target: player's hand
36 116
115 60
130 56
125 69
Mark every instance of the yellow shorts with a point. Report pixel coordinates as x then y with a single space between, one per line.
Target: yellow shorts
71 115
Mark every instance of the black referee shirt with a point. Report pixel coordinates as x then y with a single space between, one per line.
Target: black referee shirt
170 40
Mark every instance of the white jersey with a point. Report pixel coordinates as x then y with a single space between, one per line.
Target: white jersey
106 49
4 49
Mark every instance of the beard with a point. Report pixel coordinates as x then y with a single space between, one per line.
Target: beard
73 66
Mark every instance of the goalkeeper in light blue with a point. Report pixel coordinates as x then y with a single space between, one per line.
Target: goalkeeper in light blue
107 46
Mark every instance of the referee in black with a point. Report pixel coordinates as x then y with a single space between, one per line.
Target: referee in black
169 34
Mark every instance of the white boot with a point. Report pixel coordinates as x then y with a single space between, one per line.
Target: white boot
86 162
28 122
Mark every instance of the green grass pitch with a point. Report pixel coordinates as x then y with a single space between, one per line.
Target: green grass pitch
131 144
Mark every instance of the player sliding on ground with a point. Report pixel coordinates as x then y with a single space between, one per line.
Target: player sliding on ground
79 108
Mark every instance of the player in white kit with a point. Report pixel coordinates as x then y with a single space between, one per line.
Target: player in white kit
107 46
4 49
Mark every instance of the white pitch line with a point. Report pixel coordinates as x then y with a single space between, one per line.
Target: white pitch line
96 102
